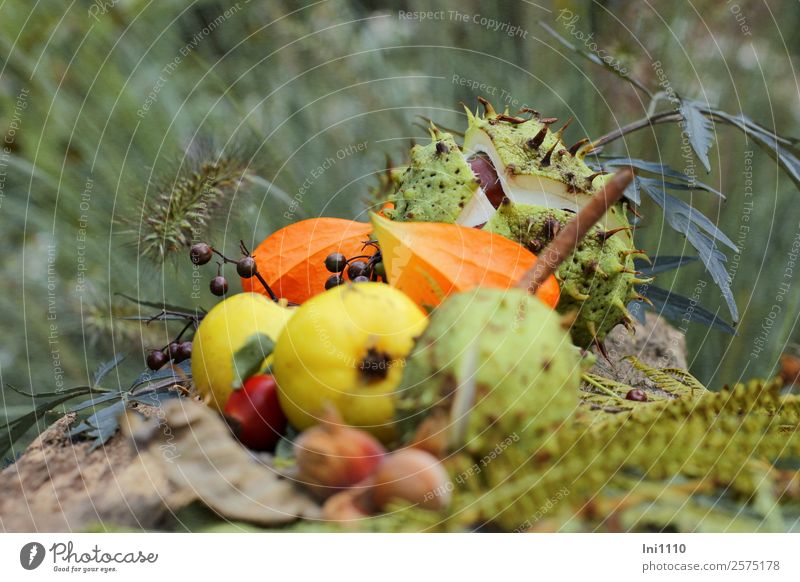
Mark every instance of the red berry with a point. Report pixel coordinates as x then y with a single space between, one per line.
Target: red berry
255 414
637 395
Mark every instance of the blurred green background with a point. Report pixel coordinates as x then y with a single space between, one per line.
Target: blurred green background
101 101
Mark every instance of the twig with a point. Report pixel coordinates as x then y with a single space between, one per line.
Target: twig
663 117
565 243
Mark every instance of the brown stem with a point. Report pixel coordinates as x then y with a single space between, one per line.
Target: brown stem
566 241
664 117
266 286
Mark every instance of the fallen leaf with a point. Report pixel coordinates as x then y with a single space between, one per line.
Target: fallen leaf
191 445
292 259
428 260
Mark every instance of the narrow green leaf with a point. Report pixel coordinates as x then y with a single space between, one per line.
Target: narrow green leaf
77 391
91 402
699 130
159 305
664 171
611 64
662 263
173 373
12 431
106 367
688 221
678 308
249 359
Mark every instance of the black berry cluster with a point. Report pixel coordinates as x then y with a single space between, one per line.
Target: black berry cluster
175 352
359 269
246 267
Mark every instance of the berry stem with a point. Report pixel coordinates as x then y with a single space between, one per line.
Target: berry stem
257 275
567 240
267 288
193 318
190 323
225 260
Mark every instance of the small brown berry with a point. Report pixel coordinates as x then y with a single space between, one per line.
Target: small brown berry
219 286
156 360
200 253
246 267
637 395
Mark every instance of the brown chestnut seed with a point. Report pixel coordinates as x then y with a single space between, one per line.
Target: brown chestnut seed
490 182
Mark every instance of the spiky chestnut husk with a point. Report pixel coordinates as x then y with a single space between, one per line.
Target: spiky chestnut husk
497 363
388 180
535 168
533 163
437 185
597 281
